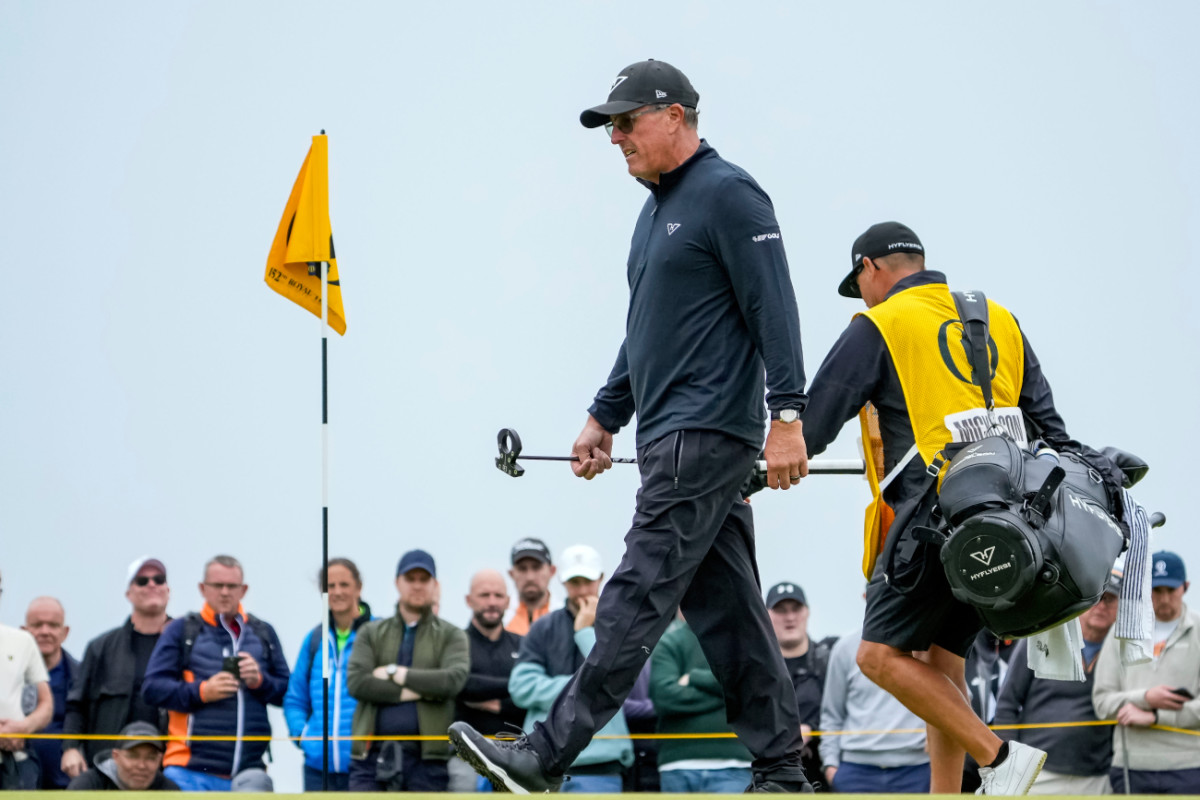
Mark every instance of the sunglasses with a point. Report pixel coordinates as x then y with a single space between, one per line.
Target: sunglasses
144 580
624 122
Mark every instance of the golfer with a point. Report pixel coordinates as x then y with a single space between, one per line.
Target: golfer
711 311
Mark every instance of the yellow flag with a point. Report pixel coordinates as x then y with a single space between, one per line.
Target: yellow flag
304 236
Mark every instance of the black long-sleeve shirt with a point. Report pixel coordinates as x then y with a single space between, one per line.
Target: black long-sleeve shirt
859 368
491 663
711 306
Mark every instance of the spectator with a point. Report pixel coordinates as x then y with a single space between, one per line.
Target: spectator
1078 758
484 702
106 692
134 765
641 718
405 672
21 666
304 705
688 699
1161 692
871 762
806 663
216 672
985 669
531 573
45 620
550 655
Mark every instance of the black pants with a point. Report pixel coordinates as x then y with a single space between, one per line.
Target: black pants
691 546
406 770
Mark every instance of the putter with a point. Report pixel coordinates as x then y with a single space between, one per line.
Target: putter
510 450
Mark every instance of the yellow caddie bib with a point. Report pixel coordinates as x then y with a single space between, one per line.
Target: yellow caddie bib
924 337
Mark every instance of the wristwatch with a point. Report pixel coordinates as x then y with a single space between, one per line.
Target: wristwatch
786 415
390 669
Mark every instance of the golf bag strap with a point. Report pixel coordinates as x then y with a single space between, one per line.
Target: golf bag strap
973 313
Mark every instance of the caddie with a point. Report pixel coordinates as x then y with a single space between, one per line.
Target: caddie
901 368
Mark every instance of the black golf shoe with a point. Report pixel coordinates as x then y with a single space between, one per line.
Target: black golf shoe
510 764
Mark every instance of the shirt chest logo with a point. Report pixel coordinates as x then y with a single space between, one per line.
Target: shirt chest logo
672 227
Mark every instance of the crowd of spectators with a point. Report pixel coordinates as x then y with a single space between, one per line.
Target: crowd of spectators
397 681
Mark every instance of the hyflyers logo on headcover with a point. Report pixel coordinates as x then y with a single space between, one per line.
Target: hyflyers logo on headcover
984 556
620 79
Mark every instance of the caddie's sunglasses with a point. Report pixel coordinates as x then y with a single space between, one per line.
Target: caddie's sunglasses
144 580
624 122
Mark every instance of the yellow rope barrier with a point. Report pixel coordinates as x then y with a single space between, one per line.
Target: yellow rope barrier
638 736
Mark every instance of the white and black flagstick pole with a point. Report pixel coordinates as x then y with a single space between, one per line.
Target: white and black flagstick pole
325 525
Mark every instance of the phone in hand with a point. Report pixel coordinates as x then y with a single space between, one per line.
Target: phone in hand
1183 691
232 665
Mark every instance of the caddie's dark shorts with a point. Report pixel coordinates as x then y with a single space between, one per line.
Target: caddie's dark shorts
927 614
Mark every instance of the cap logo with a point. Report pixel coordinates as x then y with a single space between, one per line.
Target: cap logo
659 94
913 245
620 79
787 587
1160 568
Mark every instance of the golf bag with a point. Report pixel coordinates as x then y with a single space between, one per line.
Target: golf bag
1030 537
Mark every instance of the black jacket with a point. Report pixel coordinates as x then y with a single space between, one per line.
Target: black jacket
491 664
102 690
98 779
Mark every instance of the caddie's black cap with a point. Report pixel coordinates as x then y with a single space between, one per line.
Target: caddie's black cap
881 239
785 591
645 83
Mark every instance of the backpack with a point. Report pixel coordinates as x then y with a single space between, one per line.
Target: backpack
193 623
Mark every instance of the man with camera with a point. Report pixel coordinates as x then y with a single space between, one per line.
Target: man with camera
216 672
900 367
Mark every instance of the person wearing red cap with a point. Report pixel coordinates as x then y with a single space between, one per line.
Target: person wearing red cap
106 692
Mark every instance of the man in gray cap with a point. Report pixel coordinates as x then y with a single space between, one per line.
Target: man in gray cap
134 765
712 326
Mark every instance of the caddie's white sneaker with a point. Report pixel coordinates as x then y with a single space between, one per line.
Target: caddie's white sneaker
1016 772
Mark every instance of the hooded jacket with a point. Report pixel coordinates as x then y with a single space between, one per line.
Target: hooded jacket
103 777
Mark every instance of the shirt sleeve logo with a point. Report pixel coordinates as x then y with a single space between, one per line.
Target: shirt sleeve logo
762 237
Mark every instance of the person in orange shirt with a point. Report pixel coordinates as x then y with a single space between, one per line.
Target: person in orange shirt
531 572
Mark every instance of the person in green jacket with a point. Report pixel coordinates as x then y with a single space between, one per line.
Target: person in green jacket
688 699
405 672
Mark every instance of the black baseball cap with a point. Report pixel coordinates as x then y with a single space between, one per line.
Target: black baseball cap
531 548
645 83
785 591
881 239
140 729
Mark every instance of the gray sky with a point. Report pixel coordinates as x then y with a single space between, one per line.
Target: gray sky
158 398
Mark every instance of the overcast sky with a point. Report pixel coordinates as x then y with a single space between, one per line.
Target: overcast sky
158 399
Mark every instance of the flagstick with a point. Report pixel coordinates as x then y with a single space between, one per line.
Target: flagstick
325 524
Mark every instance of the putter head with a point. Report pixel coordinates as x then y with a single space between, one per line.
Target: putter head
509 444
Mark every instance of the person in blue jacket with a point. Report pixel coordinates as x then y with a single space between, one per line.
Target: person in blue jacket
303 704
216 672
